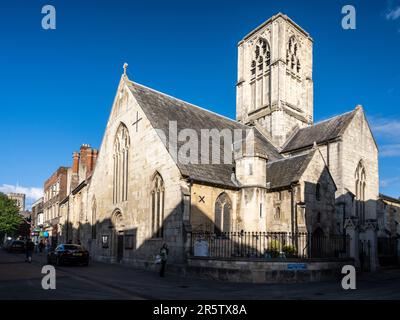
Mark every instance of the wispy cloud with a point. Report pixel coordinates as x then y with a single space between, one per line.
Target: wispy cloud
31 193
386 127
387 131
390 150
385 183
393 14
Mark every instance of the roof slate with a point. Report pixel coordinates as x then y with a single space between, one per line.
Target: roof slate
320 132
282 173
161 109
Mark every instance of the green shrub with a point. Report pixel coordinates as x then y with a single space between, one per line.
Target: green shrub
273 250
289 250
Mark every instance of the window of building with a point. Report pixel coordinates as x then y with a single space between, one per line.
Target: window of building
277 215
292 59
120 167
259 68
222 213
157 206
360 185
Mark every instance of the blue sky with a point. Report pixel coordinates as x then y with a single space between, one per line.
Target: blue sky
57 86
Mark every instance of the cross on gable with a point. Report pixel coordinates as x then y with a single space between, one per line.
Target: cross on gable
137 121
201 199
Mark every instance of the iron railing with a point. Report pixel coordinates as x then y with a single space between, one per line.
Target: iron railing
269 245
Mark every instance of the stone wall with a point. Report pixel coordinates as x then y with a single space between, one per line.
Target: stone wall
261 271
134 215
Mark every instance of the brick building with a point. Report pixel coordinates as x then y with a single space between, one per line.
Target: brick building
74 202
55 189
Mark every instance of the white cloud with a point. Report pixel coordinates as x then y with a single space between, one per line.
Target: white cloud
393 14
386 127
389 182
390 150
31 193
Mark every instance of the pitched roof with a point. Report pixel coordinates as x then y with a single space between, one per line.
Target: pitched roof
160 109
282 173
320 132
388 198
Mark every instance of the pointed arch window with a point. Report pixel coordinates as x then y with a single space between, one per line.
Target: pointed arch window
222 213
277 215
120 164
360 185
259 67
157 206
292 56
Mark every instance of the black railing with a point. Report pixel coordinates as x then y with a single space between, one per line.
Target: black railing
269 245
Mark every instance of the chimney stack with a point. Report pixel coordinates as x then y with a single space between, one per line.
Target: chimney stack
75 163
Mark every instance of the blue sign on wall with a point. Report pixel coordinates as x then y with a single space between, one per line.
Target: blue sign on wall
297 266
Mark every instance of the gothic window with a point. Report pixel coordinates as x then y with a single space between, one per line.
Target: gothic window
260 63
277 215
157 206
318 192
292 57
94 219
223 210
120 164
360 178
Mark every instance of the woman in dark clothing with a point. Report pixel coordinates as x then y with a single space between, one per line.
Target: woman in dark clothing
164 256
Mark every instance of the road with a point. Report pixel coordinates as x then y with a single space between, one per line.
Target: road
21 280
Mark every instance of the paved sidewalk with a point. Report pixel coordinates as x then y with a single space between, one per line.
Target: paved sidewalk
19 280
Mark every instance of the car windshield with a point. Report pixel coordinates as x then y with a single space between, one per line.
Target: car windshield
72 247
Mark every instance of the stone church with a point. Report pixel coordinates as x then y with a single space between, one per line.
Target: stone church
298 176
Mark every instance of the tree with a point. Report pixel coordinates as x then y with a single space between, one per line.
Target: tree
10 219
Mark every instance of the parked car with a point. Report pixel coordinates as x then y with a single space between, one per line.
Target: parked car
7 243
17 246
68 254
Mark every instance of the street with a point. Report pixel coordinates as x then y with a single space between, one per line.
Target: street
20 280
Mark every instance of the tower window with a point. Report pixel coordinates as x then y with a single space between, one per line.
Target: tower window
260 63
292 55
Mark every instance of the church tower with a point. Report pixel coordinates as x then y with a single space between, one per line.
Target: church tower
275 87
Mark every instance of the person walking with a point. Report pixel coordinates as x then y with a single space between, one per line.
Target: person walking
164 257
29 247
41 245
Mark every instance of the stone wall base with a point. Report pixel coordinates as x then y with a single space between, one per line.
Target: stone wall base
254 271
267 271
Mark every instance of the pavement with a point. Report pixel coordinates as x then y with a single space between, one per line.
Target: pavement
21 280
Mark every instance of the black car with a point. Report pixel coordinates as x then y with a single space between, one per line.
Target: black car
17 246
68 254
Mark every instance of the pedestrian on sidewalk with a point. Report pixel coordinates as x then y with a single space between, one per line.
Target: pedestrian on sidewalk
29 247
164 257
41 245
